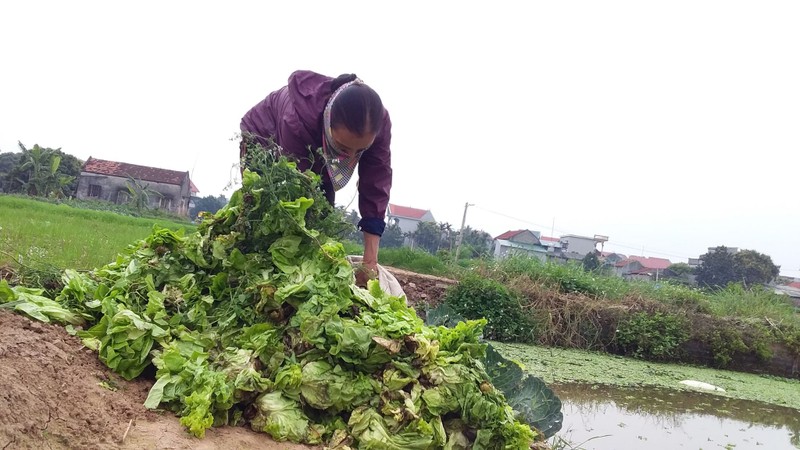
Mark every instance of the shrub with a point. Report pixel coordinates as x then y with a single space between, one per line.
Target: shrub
652 336
475 297
725 343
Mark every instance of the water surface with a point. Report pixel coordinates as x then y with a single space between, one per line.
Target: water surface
604 417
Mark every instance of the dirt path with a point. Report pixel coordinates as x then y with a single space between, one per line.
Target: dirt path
420 288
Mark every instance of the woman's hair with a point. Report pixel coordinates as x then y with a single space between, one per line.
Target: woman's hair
358 107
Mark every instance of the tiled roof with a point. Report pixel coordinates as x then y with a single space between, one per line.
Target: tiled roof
509 234
408 212
144 173
794 284
549 239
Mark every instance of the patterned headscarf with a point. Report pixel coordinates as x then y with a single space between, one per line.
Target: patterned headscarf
340 165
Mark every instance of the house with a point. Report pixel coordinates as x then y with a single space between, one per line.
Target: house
553 244
792 290
109 181
611 258
407 218
582 245
640 267
522 242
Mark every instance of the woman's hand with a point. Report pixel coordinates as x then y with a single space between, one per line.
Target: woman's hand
368 270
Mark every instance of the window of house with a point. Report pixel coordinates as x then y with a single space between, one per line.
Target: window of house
123 197
165 203
95 190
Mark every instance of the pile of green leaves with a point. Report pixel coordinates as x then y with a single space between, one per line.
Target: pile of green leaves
255 319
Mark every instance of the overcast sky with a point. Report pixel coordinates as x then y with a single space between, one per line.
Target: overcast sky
670 127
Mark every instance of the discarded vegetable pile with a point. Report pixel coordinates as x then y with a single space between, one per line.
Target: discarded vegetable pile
255 319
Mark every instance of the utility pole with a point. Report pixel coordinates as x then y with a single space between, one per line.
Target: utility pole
461 233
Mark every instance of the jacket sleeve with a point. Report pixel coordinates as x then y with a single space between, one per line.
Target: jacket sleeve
375 181
275 117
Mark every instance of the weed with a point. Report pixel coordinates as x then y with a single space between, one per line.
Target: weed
726 342
418 261
476 297
652 336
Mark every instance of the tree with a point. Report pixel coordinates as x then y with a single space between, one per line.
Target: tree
447 236
476 243
754 268
392 236
428 236
591 261
139 194
42 171
70 167
680 269
8 161
208 204
717 268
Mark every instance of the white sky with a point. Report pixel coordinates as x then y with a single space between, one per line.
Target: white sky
668 126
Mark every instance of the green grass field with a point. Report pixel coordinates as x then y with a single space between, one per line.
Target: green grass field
35 233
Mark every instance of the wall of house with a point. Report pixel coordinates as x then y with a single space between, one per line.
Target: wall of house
173 198
503 248
406 225
630 267
526 238
579 244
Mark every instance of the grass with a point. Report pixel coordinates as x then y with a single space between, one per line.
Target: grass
38 233
731 302
418 261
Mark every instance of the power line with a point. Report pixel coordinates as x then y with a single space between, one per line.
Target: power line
518 219
610 241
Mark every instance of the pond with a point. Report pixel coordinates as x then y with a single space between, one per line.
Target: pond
599 416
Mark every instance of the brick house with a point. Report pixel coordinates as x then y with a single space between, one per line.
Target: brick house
109 181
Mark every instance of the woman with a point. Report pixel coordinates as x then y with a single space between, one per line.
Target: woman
346 119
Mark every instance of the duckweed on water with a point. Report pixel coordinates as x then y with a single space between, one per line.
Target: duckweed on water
555 365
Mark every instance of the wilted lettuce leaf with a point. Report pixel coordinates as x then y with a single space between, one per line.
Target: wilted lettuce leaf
331 387
280 417
533 402
372 432
31 302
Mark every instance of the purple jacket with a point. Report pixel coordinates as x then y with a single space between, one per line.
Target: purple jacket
292 115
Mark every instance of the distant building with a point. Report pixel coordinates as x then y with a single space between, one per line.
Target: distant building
109 181
522 242
611 258
407 218
792 290
582 245
640 267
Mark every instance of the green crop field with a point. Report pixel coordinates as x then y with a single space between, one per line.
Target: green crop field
35 233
